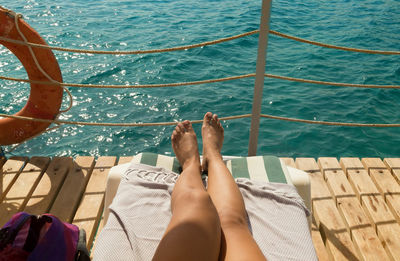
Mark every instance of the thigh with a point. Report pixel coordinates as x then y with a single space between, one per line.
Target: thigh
237 243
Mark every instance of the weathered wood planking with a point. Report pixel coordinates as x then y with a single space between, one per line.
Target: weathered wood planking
319 245
49 185
67 200
9 171
337 240
18 195
385 182
394 165
289 162
90 209
374 205
369 196
361 231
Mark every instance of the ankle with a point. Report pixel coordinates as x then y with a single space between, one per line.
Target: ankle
191 163
214 157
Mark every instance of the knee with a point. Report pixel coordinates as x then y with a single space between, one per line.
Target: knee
195 206
230 218
193 197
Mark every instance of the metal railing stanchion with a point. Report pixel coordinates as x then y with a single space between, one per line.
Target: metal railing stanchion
259 81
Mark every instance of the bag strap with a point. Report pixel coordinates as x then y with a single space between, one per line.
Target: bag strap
53 246
82 254
36 226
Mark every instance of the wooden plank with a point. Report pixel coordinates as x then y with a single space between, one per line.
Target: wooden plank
358 177
9 172
381 175
45 192
374 206
394 165
369 195
91 207
385 182
319 190
390 237
289 162
67 200
318 242
370 198
335 178
125 159
367 192
16 198
362 232
327 217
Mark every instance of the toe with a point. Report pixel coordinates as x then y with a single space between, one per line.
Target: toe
174 136
214 120
188 125
207 118
181 127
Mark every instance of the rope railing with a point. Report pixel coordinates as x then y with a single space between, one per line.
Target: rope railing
133 86
332 123
178 48
356 85
333 46
230 78
186 47
111 124
235 117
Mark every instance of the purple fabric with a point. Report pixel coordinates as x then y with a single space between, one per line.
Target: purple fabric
14 221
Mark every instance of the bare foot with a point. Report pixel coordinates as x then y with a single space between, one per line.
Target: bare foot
184 144
213 138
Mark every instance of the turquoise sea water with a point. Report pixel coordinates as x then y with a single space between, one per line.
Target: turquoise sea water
127 25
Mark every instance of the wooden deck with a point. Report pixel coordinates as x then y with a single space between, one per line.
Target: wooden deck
356 202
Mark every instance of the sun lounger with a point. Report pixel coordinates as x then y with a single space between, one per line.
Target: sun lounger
259 168
139 214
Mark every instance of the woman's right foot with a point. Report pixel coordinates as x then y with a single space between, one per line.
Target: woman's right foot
212 133
184 144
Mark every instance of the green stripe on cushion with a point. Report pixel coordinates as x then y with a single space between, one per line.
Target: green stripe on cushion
176 167
239 168
149 159
274 170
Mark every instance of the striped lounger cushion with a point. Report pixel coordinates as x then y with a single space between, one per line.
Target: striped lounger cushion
260 168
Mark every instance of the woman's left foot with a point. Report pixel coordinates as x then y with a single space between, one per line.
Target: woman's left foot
213 138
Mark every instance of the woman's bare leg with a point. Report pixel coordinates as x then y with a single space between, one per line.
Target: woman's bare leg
237 243
194 232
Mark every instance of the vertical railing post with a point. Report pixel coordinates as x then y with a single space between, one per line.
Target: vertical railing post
260 71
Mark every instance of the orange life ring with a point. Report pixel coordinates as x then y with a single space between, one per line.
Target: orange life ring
44 100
